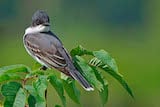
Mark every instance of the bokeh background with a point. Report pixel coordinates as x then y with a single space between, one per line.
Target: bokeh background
128 29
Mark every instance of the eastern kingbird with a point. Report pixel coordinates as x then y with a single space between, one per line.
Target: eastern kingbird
46 48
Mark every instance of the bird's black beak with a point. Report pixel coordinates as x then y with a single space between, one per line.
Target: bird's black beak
46 24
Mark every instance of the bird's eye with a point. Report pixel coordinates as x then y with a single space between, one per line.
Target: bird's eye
38 22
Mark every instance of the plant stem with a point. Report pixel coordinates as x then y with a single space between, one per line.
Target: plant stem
46 97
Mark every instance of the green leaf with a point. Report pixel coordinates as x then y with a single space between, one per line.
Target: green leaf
40 86
103 93
9 76
119 77
14 69
87 72
57 84
31 101
9 91
57 106
36 66
9 101
38 91
109 65
80 51
34 97
31 90
20 98
9 72
106 59
71 90
40 104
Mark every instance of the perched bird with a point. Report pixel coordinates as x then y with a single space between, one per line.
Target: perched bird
46 48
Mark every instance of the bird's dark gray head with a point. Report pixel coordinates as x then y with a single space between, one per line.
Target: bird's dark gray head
40 17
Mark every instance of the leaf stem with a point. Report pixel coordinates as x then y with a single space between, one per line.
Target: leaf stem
24 81
46 96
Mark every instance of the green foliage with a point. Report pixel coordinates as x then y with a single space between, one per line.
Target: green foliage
31 101
20 98
57 84
9 72
71 90
40 86
103 93
22 86
9 91
106 59
102 59
87 72
14 69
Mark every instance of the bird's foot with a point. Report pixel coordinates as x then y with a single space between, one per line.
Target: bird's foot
43 68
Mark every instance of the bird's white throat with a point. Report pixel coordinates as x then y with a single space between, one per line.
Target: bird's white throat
37 29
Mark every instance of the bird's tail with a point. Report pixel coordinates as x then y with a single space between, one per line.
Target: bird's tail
84 83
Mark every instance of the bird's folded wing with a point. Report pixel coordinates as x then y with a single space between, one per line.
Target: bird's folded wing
42 48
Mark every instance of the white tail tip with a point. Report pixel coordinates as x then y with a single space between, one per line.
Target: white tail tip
89 89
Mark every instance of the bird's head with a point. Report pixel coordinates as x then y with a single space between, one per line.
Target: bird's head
40 17
40 23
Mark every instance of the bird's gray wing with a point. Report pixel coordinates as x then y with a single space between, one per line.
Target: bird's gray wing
45 48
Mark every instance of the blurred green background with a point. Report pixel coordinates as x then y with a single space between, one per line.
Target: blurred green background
128 29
